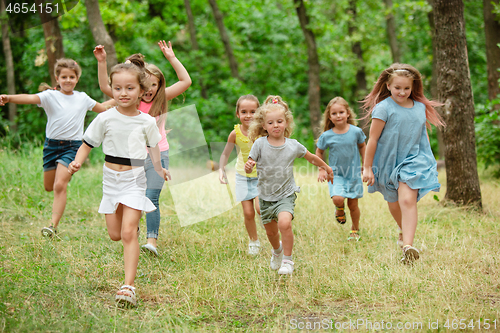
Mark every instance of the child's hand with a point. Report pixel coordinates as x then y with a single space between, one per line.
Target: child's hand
322 175
249 166
166 49
330 175
222 176
164 173
74 167
4 99
368 176
100 53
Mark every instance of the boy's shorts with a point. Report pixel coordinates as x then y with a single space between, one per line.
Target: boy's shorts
59 151
269 210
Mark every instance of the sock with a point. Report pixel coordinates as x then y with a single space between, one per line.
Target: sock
287 258
256 242
278 250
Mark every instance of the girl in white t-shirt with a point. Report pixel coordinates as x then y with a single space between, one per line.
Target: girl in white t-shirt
66 109
124 131
153 102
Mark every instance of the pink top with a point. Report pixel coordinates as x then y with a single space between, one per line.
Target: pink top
163 144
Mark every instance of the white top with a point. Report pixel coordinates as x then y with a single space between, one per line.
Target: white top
121 135
65 113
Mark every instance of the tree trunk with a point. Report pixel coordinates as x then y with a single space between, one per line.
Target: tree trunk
9 64
225 39
101 36
391 32
53 40
454 90
361 89
492 33
313 72
194 42
434 93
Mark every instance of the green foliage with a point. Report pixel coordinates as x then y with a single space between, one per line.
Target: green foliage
488 135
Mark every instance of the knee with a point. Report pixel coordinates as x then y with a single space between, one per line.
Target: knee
115 236
249 215
272 232
285 225
406 202
129 235
338 201
60 186
352 204
48 188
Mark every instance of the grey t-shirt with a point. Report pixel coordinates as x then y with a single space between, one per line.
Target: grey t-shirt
275 167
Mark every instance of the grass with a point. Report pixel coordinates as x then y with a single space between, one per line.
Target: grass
204 281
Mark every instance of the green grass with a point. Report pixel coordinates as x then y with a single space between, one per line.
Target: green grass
204 281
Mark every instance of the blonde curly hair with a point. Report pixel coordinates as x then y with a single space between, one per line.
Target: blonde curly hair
272 103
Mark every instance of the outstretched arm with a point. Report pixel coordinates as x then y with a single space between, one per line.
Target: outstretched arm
19 99
102 70
375 131
315 160
184 80
81 155
231 140
154 153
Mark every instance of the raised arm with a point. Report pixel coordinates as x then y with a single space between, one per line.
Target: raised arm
315 160
19 99
102 70
375 131
184 80
231 140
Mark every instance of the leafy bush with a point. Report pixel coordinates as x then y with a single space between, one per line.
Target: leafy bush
488 135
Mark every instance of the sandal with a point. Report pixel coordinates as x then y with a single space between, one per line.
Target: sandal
127 296
340 216
410 254
354 236
49 232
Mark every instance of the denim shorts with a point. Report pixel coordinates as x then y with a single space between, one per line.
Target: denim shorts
246 187
269 210
59 151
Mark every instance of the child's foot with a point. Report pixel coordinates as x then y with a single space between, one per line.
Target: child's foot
254 247
148 248
286 267
354 236
126 296
340 214
49 232
410 254
276 259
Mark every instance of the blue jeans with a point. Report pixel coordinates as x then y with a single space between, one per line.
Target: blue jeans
154 186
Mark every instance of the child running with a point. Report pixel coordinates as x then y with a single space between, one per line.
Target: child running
66 109
246 184
346 143
124 131
274 154
399 162
153 102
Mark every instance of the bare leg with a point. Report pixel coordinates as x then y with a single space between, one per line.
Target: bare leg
285 227
273 234
249 214
355 213
62 178
395 212
48 180
407 198
338 201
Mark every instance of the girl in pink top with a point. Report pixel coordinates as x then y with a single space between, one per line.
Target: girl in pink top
153 102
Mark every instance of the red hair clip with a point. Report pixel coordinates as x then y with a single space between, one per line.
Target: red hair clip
275 101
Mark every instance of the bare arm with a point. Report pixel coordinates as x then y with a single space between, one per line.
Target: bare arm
231 140
184 79
81 155
362 149
102 70
20 99
322 172
101 107
154 153
375 131
249 165
315 160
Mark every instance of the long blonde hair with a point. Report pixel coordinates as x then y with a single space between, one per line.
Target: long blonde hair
272 103
380 92
326 122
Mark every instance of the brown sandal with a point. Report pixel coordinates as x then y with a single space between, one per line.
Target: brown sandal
340 216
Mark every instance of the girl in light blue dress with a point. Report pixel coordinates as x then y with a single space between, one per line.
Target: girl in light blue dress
399 162
346 143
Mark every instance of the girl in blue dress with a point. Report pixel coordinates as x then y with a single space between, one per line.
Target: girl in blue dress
399 162
346 143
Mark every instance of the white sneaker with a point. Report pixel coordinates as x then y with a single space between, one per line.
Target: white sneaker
276 259
286 267
254 247
150 249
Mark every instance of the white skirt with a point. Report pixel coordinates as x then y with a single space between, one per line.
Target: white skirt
124 187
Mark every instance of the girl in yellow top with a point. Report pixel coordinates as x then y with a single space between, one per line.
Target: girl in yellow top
246 184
